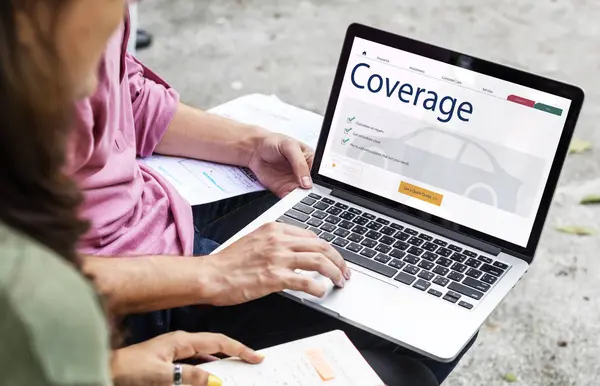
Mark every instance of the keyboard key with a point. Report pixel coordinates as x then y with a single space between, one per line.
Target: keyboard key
341 232
485 259
401 245
429 246
374 225
491 269
455 248
469 253
355 237
304 209
398 254
320 215
321 205
489 279
422 285
354 247
401 236
429 256
368 252
328 227
360 221
405 278
458 267
425 237
456 276
467 291
308 201
444 252
354 211
472 272
383 248
458 257
341 206
473 263
346 224
397 264
411 269
387 240
415 251
289 221
347 216
383 221
411 232
297 215
441 281
426 265
450 299
388 231
369 216
328 201
443 271
360 230
333 210
326 236
373 235
316 231
445 262
315 196
369 243
426 275
439 242
315 222
500 265
366 263
341 242
435 293
416 241
478 285
384 259
411 259
397 226
466 305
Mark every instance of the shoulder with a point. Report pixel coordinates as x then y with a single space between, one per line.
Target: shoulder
54 327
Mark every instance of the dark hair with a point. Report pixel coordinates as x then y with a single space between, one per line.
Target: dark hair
36 197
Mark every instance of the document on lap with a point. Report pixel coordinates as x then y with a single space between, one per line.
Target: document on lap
329 359
201 182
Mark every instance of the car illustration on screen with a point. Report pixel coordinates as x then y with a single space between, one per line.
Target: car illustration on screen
444 160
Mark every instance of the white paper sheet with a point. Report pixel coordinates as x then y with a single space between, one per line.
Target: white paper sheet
201 182
289 365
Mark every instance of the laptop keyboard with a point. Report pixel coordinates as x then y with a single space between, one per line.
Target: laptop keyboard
399 252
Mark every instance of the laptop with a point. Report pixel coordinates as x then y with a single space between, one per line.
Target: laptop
433 177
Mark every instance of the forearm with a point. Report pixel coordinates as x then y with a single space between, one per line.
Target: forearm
144 284
197 134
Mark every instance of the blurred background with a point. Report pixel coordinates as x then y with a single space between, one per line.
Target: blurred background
547 332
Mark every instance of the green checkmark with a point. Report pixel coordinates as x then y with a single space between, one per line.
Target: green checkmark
345 141
350 119
347 130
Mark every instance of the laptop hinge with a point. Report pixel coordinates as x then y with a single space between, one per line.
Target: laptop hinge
434 228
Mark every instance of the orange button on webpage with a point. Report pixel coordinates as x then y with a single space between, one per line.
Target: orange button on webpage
421 193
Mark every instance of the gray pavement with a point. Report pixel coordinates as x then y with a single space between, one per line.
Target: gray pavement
547 332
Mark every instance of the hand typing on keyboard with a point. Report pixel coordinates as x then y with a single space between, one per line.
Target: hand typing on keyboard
265 262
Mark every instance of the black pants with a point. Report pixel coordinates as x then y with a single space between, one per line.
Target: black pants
274 319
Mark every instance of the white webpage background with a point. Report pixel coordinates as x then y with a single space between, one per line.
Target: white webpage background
493 119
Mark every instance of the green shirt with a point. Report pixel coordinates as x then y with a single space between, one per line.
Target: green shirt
52 328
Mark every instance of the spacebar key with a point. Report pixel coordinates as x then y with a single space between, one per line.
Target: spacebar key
366 263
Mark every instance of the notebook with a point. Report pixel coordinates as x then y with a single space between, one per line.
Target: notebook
323 360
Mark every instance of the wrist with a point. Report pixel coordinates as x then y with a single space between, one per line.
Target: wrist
255 136
211 282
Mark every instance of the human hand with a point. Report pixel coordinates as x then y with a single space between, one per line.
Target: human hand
151 363
282 164
265 261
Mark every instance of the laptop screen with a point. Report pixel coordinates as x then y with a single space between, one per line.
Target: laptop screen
463 146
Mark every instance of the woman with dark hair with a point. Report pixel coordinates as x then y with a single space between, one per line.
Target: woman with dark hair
52 328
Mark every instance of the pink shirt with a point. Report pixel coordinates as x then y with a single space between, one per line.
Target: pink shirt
133 211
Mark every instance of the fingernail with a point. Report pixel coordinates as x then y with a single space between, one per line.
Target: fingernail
341 283
306 182
348 274
213 380
262 356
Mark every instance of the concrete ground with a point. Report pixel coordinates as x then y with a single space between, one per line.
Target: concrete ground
547 332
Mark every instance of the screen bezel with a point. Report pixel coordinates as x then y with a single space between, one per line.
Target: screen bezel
575 94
